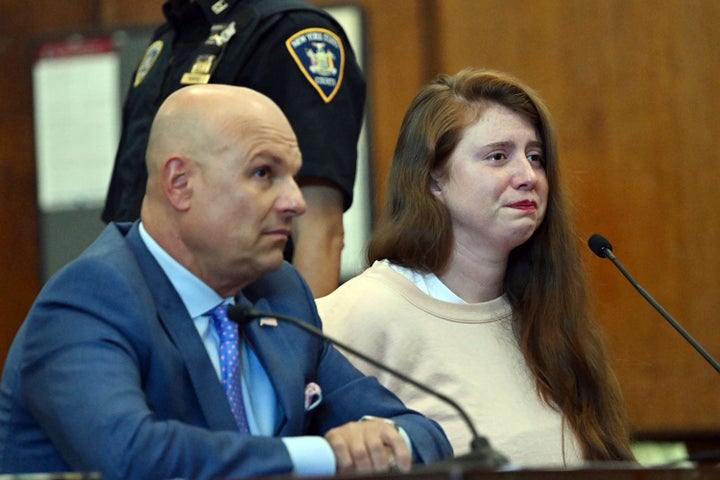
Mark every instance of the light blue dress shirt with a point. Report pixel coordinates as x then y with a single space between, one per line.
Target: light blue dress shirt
311 455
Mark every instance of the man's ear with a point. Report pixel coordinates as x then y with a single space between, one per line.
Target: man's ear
177 182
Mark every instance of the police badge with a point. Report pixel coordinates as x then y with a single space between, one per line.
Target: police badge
320 55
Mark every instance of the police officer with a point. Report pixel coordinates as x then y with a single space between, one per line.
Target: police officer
294 53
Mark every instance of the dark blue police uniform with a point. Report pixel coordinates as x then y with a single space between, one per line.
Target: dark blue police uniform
289 50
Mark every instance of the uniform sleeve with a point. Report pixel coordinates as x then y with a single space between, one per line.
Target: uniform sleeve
327 131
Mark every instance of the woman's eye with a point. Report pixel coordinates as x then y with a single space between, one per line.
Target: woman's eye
536 158
497 156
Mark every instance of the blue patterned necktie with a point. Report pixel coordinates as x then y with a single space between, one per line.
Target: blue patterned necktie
230 363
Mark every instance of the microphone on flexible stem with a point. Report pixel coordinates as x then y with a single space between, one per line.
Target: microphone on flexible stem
481 453
602 248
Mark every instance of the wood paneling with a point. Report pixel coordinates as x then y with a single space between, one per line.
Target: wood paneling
21 23
632 88
131 12
396 62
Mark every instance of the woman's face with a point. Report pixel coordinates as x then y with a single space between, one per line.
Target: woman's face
494 184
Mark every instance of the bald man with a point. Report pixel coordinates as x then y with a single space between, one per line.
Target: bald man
117 367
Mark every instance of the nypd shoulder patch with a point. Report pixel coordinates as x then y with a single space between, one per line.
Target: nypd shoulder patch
320 55
151 54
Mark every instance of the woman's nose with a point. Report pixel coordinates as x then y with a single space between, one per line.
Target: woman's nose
525 174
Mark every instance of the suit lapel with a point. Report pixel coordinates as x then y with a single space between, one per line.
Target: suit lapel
180 328
273 346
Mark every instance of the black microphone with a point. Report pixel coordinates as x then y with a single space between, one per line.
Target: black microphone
602 248
481 453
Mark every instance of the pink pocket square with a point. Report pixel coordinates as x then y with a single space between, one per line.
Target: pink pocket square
313 396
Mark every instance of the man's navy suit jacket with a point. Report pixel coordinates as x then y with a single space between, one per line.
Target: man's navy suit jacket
108 373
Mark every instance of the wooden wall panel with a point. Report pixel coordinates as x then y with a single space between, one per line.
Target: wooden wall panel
131 12
21 23
632 87
396 69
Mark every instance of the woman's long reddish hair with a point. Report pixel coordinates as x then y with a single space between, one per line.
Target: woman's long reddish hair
545 280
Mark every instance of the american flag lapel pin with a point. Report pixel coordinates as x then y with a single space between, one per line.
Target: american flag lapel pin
268 322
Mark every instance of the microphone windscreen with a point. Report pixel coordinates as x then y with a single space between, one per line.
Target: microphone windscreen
598 244
240 314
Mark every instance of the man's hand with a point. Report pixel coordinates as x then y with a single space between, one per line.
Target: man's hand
369 446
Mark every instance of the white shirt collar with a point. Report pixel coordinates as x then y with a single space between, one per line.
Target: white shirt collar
195 294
